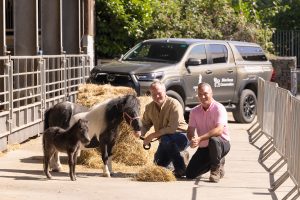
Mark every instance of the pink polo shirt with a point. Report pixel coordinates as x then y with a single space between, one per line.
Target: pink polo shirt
204 121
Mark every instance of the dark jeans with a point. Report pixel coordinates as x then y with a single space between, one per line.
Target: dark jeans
169 149
205 158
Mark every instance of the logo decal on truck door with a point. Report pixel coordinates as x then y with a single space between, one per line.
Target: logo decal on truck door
223 82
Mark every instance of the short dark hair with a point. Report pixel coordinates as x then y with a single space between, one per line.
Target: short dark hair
203 84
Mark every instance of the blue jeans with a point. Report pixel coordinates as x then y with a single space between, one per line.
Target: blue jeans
169 149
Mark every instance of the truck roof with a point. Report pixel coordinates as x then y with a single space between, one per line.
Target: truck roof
192 41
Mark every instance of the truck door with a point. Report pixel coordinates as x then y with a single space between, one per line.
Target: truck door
213 64
220 72
195 65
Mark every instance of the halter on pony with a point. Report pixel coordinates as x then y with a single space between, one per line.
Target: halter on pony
131 119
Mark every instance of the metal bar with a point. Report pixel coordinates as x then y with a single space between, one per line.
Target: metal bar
11 97
296 196
266 155
2 29
279 181
256 137
279 167
290 193
267 145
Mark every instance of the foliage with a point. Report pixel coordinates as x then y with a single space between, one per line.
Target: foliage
214 19
256 15
288 16
123 23
119 24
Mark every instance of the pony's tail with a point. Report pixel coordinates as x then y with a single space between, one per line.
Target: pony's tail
46 119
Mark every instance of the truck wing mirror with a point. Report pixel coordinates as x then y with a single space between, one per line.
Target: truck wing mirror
193 62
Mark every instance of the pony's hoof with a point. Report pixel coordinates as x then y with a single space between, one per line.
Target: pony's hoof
59 169
112 174
49 177
106 175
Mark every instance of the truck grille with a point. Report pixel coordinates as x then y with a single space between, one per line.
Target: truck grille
114 79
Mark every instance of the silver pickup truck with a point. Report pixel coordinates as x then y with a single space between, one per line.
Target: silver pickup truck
230 67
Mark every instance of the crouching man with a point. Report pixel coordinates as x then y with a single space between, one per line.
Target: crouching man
208 130
166 115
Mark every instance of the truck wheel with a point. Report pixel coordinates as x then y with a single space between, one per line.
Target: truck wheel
175 95
246 109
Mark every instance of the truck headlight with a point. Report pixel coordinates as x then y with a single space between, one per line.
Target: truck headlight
149 76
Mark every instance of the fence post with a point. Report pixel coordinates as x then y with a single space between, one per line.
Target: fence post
64 63
294 81
9 65
83 68
43 85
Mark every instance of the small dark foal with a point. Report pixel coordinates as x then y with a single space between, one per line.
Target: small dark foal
68 141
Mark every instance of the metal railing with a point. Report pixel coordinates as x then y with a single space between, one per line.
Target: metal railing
295 82
31 84
278 119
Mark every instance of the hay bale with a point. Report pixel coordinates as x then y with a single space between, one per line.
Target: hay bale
91 94
90 158
128 149
13 147
154 173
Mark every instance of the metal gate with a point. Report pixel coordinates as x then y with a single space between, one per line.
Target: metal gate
287 43
31 84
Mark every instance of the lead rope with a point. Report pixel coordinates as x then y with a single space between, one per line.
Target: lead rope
148 146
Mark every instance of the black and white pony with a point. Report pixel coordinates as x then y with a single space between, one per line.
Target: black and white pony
104 119
60 114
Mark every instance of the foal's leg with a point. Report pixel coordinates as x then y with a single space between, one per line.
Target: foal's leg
71 163
75 156
55 164
48 153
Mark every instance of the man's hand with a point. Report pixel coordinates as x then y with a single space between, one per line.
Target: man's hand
137 134
149 138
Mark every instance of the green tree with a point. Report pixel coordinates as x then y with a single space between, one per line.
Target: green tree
288 16
119 24
123 23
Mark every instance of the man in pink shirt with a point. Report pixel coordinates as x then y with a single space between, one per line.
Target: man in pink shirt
208 130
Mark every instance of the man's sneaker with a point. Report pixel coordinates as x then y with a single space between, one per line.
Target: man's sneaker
222 170
215 174
179 173
186 156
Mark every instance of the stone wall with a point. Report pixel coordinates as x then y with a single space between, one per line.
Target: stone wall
283 67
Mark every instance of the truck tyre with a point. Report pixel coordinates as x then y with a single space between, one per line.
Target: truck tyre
175 95
246 109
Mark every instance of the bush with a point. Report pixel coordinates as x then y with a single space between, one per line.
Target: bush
123 23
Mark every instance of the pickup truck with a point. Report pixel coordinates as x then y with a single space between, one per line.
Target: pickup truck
230 67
